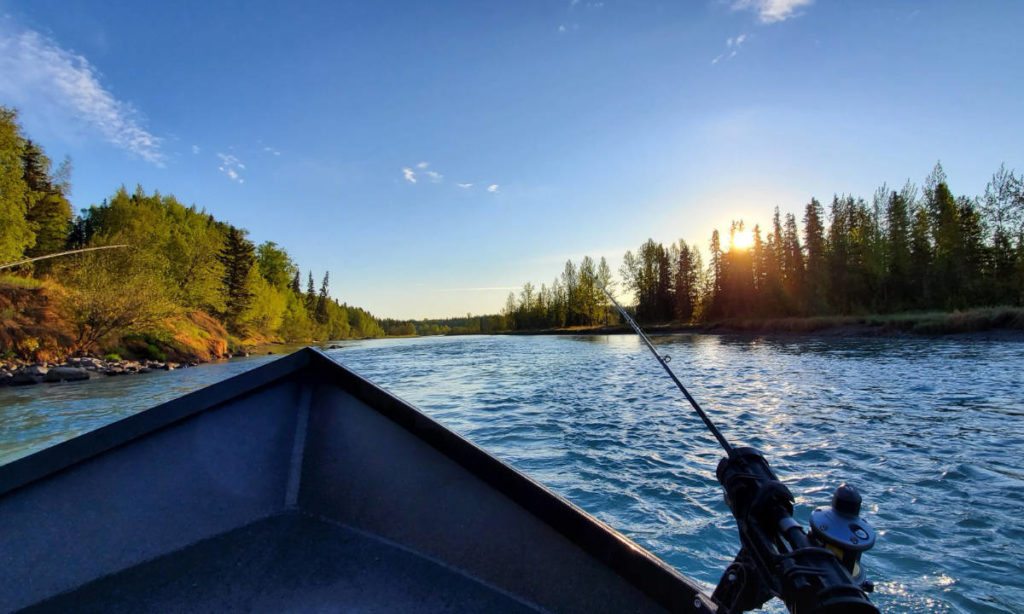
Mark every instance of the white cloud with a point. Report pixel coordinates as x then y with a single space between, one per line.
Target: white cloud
561 28
771 11
195 150
38 72
732 46
272 151
729 42
420 170
230 165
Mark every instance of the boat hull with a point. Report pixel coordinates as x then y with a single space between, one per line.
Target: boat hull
301 486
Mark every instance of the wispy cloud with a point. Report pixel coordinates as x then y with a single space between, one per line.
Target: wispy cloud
771 11
37 71
272 151
195 150
432 175
230 166
732 48
421 170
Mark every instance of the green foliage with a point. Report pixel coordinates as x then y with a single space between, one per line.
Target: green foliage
113 292
181 264
143 346
296 325
267 306
21 282
16 233
276 266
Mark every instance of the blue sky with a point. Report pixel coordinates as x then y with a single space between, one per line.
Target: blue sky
434 155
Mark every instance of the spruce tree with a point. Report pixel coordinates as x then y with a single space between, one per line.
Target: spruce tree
897 257
321 300
310 294
16 233
237 257
715 276
604 275
47 209
684 284
815 287
793 265
920 259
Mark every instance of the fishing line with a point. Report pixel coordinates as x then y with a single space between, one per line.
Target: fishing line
664 360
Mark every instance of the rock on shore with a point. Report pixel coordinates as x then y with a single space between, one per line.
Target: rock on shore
75 369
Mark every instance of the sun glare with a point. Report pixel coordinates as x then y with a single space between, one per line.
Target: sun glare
743 239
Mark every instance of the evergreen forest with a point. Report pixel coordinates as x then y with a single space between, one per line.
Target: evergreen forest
904 250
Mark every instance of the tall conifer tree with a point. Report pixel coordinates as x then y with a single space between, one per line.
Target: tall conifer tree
238 258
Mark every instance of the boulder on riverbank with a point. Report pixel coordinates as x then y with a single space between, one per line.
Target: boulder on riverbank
66 374
32 374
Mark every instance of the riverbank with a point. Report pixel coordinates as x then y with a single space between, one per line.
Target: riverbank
18 372
1000 322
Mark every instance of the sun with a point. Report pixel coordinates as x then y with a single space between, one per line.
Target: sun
743 239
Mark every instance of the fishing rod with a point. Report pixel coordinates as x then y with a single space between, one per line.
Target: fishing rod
664 360
815 573
67 253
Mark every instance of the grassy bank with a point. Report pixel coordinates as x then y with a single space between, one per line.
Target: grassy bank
910 323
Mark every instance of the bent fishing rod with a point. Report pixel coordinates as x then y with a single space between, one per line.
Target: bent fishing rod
812 573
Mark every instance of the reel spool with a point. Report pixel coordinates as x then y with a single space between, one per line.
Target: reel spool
841 529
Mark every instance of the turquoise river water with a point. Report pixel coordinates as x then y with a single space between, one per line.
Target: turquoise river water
930 430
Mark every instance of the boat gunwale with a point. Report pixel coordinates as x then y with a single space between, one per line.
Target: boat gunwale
43 463
663 583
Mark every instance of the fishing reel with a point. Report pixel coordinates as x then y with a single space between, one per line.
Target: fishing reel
840 528
813 574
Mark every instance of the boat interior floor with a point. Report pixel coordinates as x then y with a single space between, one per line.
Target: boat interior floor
290 562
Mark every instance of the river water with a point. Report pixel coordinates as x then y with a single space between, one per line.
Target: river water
930 430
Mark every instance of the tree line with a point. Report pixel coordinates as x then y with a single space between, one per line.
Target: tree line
180 259
906 249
